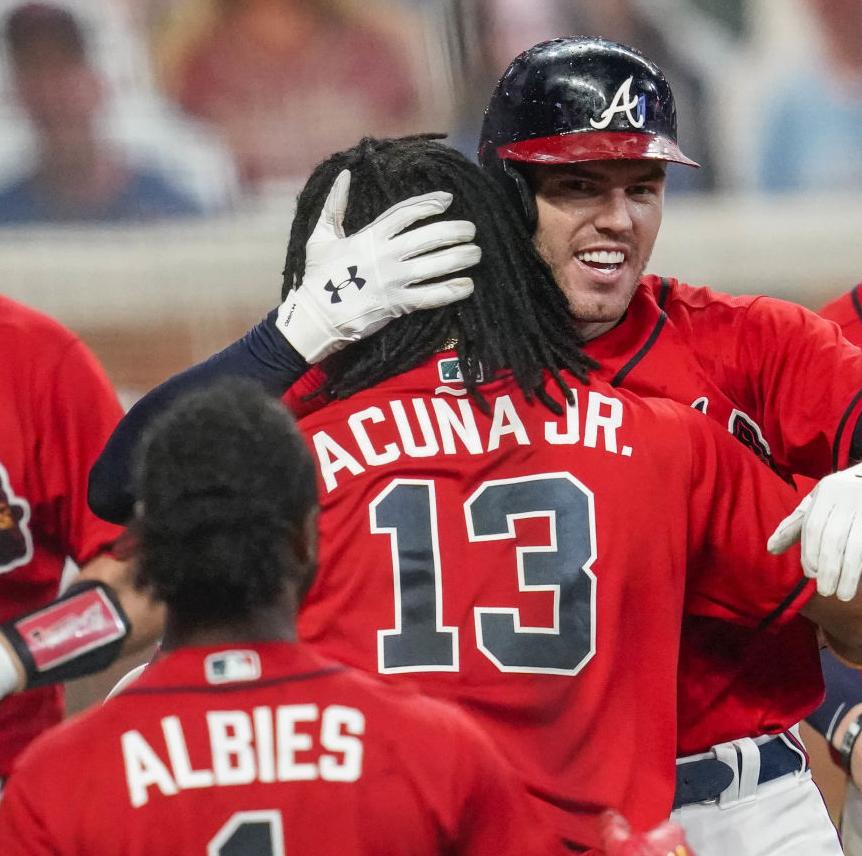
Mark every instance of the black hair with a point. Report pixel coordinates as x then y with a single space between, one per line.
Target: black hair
35 24
224 480
517 318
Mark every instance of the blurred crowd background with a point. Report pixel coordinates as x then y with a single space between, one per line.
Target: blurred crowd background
152 149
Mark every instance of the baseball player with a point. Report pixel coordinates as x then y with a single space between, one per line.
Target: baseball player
237 739
526 476
570 130
58 409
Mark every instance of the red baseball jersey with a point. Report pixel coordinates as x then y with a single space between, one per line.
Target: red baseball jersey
58 411
266 749
531 568
846 312
785 384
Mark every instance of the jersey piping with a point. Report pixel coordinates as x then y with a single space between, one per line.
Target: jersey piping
641 353
791 597
855 450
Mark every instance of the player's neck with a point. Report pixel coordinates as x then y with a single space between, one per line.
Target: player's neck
593 329
272 624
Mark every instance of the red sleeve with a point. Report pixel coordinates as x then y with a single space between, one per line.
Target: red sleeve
846 312
804 381
76 410
786 367
736 503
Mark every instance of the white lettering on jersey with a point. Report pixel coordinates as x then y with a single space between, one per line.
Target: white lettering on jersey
506 421
623 102
186 776
448 427
573 429
390 451
289 743
333 458
263 743
429 445
143 769
339 733
607 421
231 737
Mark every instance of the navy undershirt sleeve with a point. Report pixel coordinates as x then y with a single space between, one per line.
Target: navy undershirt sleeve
263 354
843 690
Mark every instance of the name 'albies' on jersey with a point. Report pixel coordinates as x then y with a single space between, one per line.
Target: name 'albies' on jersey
532 568
266 749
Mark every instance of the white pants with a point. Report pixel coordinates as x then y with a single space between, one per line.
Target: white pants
784 817
851 821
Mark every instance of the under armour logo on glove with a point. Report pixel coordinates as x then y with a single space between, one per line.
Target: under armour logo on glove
352 280
403 269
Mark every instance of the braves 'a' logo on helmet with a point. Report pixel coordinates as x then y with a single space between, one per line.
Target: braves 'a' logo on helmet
624 102
16 544
352 279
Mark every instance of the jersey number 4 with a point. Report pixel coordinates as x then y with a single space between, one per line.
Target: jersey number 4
406 511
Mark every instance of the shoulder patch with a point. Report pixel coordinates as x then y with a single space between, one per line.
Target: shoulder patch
16 542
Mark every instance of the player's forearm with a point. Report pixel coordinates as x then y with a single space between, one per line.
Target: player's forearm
851 753
146 616
843 692
263 354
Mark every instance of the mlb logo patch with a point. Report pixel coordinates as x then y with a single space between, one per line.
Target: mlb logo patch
450 370
228 666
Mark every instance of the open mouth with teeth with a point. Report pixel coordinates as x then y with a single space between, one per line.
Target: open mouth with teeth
606 261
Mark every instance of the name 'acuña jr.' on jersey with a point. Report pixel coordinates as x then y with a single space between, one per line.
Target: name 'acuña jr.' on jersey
447 426
532 568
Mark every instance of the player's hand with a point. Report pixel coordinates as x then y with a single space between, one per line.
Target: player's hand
829 523
353 286
667 839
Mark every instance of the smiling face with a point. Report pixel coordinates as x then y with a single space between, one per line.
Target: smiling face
598 222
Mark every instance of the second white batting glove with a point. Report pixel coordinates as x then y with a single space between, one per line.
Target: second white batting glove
829 523
355 285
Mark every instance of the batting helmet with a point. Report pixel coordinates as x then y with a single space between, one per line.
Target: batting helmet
577 99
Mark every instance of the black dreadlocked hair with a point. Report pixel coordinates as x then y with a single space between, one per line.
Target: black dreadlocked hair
225 480
517 318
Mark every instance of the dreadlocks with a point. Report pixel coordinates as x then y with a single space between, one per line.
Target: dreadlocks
517 318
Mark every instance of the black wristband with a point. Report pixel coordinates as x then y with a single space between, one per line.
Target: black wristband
845 750
79 633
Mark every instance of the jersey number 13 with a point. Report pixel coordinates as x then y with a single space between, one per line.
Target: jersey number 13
406 511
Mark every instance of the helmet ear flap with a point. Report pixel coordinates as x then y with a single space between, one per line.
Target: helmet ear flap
515 185
525 194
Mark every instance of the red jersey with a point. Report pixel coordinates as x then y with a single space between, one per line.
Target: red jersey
786 384
58 411
846 312
266 748
531 568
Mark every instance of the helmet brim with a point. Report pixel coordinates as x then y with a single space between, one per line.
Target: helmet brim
594 145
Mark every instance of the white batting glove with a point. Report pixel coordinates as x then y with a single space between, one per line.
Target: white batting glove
353 286
829 522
